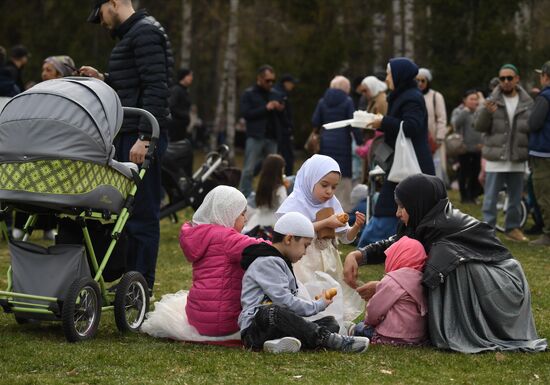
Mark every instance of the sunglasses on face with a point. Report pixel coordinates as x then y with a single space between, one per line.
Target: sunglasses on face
421 80
506 78
270 81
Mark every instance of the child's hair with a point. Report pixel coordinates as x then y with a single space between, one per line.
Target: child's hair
278 237
271 177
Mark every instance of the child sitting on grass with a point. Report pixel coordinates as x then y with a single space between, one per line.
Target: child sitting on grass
272 313
397 312
213 243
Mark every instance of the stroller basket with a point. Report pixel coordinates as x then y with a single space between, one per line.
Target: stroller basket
48 271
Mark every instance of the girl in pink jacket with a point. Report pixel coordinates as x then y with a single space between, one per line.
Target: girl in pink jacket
212 242
396 313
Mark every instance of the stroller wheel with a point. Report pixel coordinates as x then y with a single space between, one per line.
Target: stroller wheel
81 310
131 302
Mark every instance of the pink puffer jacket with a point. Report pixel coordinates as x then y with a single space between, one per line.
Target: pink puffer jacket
214 301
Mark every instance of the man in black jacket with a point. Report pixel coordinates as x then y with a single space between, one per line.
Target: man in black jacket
285 145
139 70
180 105
262 108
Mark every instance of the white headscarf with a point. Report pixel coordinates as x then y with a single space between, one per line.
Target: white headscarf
374 85
221 206
302 200
425 73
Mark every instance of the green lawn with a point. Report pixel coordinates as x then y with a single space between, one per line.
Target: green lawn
38 354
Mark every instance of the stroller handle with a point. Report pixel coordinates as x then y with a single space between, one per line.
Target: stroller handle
147 115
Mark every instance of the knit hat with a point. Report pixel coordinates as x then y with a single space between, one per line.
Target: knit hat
425 73
509 66
296 224
358 193
545 69
63 64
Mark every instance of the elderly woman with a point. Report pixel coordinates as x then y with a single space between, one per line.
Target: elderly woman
375 93
478 296
55 67
405 104
333 106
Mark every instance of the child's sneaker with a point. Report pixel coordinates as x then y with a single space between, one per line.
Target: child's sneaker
283 345
347 344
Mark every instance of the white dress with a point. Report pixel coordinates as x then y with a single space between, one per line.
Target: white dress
322 256
264 216
169 320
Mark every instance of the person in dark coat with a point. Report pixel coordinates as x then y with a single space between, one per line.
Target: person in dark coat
405 104
180 105
8 88
139 70
262 108
285 145
335 105
478 296
19 57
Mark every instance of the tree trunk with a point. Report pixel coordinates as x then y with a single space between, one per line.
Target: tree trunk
231 73
397 29
187 20
378 23
408 29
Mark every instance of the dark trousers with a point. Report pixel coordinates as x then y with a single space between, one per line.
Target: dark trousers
470 166
272 322
286 150
143 227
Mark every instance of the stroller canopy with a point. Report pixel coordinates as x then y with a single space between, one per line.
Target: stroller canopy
70 118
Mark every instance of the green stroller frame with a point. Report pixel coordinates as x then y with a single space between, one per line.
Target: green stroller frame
80 305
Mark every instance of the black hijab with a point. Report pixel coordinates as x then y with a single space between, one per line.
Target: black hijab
418 194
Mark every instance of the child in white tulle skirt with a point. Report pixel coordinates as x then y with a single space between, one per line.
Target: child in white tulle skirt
316 182
212 242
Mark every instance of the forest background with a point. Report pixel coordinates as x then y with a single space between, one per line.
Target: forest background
223 41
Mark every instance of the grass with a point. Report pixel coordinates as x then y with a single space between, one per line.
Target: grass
38 353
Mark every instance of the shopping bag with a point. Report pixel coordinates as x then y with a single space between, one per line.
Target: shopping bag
404 159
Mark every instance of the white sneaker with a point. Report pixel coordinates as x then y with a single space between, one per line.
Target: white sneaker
283 345
17 234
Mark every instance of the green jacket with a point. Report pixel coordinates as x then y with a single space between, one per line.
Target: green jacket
504 140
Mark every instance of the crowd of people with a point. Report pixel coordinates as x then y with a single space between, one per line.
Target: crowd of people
448 281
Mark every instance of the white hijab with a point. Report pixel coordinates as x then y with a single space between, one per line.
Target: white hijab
302 200
374 85
221 206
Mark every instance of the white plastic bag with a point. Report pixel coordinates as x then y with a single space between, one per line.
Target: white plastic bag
404 159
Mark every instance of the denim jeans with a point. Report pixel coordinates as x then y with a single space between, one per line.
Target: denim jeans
513 184
272 322
254 152
143 227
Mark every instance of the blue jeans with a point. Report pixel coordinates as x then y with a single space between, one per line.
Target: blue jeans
513 184
255 151
143 227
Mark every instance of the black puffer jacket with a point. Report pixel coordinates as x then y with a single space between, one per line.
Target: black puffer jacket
140 70
450 238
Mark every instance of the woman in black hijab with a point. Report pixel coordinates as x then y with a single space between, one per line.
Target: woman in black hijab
478 296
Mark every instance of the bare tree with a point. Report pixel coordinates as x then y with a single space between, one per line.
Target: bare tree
378 23
397 28
231 73
187 20
408 30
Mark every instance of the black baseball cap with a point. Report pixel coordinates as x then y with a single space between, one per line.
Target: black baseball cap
94 15
545 69
289 78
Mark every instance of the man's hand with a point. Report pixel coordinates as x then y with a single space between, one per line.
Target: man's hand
491 106
91 72
138 151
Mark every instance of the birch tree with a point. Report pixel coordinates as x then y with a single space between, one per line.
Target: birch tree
231 73
187 21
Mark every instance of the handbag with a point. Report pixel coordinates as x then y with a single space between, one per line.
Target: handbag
454 144
405 162
313 143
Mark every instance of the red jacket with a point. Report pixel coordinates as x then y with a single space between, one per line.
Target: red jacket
214 301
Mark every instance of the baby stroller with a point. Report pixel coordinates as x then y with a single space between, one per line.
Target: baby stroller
185 190
56 157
